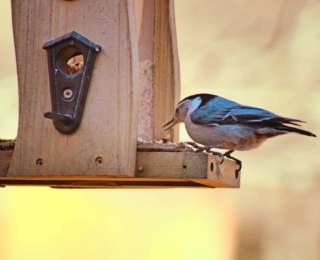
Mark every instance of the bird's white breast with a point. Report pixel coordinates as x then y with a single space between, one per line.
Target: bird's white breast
231 136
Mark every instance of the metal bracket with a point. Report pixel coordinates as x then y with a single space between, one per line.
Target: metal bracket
70 62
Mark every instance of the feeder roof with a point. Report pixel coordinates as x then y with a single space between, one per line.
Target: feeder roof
72 36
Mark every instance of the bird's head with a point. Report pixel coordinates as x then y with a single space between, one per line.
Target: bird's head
187 106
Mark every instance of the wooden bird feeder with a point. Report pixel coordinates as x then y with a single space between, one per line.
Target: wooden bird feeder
97 80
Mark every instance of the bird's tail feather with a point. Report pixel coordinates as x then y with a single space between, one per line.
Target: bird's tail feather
294 130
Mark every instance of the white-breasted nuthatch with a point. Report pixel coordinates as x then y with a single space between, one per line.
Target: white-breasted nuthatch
216 122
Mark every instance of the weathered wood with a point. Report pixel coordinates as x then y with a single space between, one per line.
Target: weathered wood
159 68
166 68
6 149
156 167
205 169
144 11
5 159
97 182
163 147
109 125
172 165
224 174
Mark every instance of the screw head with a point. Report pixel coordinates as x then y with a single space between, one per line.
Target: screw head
39 161
98 159
67 93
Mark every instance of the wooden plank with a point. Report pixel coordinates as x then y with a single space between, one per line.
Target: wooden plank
5 159
204 168
144 11
166 68
155 168
162 147
152 164
109 124
159 68
109 182
172 165
6 149
223 173
97 182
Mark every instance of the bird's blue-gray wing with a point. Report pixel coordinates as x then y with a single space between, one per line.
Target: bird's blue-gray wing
223 111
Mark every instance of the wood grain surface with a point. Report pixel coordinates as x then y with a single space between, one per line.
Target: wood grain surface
158 165
109 125
159 67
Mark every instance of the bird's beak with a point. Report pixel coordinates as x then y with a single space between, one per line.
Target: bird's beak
170 124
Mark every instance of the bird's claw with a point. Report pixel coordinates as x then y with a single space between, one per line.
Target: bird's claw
221 159
239 169
206 149
220 155
197 148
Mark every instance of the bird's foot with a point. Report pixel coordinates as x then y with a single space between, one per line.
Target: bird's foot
196 147
208 149
220 155
228 155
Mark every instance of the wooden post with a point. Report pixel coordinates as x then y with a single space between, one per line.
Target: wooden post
105 143
159 67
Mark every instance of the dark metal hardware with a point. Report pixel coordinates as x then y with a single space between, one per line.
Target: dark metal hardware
69 81
67 119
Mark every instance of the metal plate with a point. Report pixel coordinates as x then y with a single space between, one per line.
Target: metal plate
69 84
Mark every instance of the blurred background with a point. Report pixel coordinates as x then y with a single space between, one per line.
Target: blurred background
262 53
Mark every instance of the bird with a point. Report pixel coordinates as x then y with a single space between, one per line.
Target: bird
217 122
